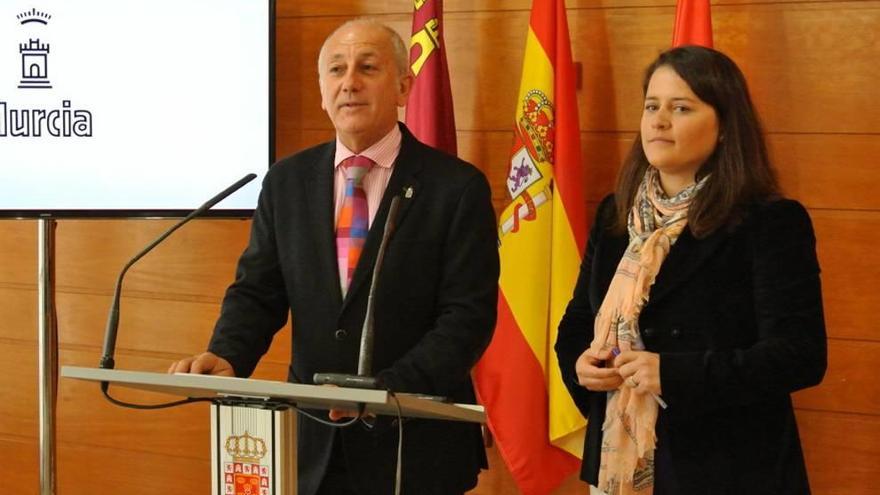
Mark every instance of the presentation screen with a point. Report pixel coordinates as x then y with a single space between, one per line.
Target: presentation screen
133 107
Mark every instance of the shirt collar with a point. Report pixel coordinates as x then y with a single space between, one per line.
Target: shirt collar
383 152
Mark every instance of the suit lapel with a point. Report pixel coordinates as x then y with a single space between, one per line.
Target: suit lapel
320 206
402 182
608 254
685 257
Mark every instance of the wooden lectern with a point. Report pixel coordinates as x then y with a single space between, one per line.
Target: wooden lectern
252 435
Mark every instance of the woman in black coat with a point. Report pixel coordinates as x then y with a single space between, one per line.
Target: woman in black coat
698 307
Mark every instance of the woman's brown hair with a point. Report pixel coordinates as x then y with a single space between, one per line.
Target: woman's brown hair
741 173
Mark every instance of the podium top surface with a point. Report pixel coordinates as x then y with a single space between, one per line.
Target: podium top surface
304 396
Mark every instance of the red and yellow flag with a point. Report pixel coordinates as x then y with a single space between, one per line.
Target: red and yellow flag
693 23
538 429
429 113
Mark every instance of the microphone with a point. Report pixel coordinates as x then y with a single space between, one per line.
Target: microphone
364 378
107 361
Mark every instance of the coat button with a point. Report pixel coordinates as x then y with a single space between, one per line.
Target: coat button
649 332
676 333
340 334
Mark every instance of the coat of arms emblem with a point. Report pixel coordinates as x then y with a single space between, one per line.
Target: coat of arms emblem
530 172
245 475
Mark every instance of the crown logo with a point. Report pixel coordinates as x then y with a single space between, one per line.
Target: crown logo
33 16
537 121
245 448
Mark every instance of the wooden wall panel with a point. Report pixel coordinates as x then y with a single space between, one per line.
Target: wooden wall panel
18 471
614 46
18 314
845 389
828 171
163 328
807 64
196 262
84 470
18 408
18 247
160 326
354 8
842 452
850 271
170 298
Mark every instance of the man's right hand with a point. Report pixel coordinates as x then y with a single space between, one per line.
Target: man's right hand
206 363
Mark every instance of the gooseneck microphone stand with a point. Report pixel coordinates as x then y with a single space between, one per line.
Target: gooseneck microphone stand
48 329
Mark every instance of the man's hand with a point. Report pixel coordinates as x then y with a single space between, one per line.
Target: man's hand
206 363
340 414
337 414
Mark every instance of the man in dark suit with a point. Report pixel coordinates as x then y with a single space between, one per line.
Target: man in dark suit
436 297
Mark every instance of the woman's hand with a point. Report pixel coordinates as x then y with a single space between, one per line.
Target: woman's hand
640 370
593 375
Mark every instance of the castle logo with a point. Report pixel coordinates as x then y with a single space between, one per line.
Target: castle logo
34 55
65 121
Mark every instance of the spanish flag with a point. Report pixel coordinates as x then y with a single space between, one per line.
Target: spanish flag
542 232
429 113
693 23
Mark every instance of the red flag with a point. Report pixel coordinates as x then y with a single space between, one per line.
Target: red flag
693 23
429 113
542 231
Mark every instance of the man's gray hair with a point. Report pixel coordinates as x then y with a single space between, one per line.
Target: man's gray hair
401 55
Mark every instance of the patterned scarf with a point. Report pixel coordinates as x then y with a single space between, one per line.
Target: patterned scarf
628 439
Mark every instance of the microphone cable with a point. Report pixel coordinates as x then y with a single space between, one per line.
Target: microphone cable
148 407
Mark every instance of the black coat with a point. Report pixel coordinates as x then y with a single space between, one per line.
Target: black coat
737 320
435 308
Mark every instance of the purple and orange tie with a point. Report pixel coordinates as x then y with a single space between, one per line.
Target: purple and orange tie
354 218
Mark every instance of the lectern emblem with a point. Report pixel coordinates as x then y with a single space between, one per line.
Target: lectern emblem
245 475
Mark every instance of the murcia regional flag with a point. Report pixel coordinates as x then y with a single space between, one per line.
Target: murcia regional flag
429 112
542 231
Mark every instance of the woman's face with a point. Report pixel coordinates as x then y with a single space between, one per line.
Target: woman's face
679 131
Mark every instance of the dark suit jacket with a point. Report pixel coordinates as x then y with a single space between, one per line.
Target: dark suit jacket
737 320
435 308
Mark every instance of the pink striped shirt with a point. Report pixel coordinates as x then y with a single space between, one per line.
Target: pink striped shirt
384 152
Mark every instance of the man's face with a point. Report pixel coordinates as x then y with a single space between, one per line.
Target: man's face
360 85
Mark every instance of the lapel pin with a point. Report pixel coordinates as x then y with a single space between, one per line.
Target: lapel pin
408 192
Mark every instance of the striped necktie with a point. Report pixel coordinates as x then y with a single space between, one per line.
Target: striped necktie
354 218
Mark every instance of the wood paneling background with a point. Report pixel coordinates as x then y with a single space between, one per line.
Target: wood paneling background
812 67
